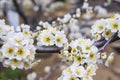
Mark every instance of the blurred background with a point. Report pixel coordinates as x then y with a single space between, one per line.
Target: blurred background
16 12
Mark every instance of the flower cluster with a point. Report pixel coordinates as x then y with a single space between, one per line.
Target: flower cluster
80 47
74 30
69 24
84 57
105 28
50 37
18 50
67 17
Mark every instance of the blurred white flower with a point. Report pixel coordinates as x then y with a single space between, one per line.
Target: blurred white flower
32 76
109 59
3 28
101 12
70 77
85 5
47 69
91 70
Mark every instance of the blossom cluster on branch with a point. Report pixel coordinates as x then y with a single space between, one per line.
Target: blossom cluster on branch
68 23
18 50
18 45
18 42
105 28
84 57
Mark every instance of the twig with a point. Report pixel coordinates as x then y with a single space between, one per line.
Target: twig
99 44
33 1
107 42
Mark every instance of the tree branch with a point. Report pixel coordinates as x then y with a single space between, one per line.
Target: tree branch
43 49
33 1
118 1
100 44
21 12
36 18
107 42
27 20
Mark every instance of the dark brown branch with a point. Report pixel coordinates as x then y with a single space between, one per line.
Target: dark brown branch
53 49
29 20
20 11
36 18
33 1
